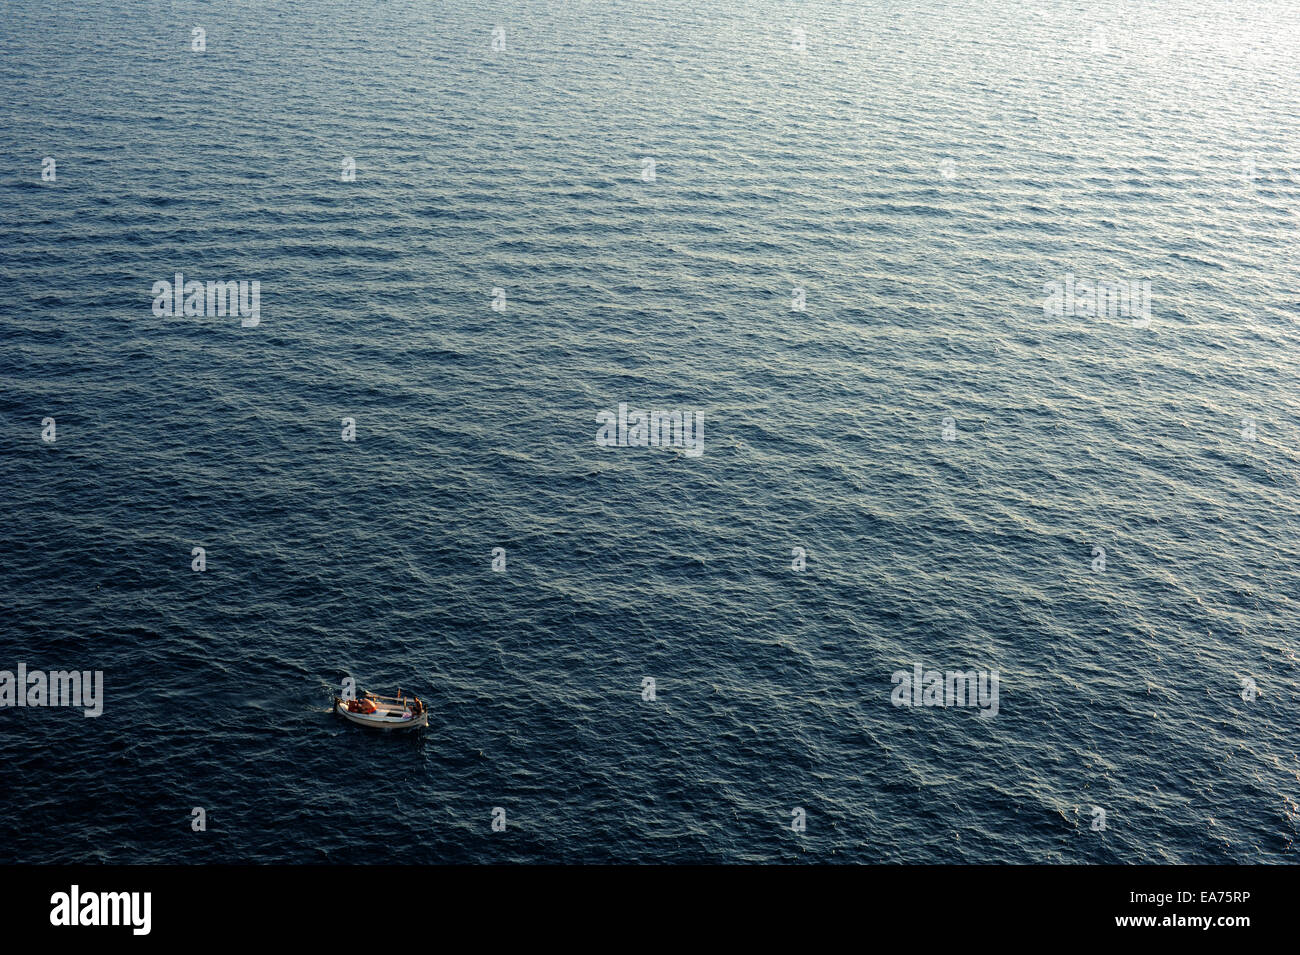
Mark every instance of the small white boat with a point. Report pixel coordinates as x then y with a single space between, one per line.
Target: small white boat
384 712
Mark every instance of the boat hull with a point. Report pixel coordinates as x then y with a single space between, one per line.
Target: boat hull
381 720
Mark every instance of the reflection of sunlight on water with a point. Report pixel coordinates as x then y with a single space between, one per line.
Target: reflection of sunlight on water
641 196
1291 810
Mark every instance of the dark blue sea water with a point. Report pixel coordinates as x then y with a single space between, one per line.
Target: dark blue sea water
921 170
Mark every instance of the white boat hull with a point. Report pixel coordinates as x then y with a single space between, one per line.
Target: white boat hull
383 718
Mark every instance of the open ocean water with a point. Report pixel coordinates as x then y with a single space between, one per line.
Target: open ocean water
951 456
